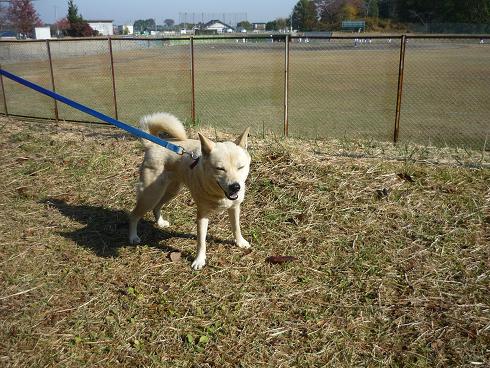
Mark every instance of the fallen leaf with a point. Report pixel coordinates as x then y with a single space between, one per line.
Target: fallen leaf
29 231
23 191
175 256
296 219
246 252
406 177
382 192
280 259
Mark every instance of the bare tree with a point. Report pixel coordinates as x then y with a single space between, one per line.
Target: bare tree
328 10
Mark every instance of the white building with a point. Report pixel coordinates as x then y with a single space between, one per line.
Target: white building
126 29
130 28
104 27
258 27
218 26
42 33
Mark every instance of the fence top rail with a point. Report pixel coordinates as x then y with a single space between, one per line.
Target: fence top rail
121 38
254 37
346 37
449 37
396 36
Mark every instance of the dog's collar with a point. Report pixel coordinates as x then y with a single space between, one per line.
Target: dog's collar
195 162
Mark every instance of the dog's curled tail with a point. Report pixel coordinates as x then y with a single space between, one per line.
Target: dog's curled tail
162 122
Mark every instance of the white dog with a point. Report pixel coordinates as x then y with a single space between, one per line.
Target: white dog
215 175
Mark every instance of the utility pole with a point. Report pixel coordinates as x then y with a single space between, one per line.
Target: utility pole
56 22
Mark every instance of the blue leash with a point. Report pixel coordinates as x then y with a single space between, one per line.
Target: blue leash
128 128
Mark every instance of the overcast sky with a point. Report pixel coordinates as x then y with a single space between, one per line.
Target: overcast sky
128 11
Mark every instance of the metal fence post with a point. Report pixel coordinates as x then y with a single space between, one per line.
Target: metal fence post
56 114
286 85
113 79
3 94
401 68
193 85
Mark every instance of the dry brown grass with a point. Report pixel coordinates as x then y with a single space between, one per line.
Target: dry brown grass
391 270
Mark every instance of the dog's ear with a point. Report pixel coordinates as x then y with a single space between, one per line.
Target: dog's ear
207 144
242 140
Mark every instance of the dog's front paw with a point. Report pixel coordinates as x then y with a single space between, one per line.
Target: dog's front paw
242 243
134 239
161 223
198 263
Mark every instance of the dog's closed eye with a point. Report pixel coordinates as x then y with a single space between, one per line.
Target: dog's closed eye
220 168
241 167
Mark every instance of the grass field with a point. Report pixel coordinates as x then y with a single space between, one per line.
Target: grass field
391 268
335 89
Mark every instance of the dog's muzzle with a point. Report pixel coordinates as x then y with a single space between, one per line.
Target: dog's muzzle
232 192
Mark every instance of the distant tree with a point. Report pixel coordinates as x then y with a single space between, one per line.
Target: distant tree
329 11
472 11
282 23
146 25
304 16
189 25
387 8
73 16
372 8
444 11
349 11
78 26
3 15
245 25
271 26
169 23
23 17
332 12
61 27
152 25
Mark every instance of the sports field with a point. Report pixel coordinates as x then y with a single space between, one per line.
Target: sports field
336 88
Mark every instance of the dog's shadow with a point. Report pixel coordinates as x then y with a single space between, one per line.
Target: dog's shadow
106 230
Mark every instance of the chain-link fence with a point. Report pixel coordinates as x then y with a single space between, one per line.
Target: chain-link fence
240 82
348 87
152 75
446 92
423 89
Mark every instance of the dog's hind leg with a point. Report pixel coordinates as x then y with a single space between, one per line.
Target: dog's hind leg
172 190
148 197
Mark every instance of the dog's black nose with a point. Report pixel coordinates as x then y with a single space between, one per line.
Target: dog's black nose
235 187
